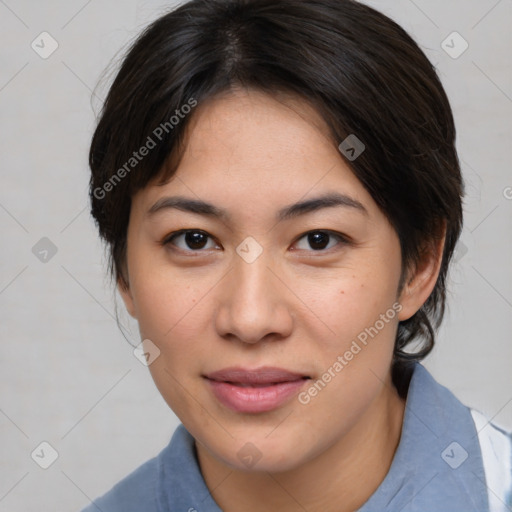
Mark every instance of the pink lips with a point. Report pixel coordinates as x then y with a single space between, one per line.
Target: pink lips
254 391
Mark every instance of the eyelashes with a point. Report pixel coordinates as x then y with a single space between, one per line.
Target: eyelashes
195 237
197 241
317 239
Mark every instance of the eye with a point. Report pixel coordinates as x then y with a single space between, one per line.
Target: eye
321 240
190 240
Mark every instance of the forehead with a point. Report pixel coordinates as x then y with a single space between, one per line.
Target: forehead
249 149
242 123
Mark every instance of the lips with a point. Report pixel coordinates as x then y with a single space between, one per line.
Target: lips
255 391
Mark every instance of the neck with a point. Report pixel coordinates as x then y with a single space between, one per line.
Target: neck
341 479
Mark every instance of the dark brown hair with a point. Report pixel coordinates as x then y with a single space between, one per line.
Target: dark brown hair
360 70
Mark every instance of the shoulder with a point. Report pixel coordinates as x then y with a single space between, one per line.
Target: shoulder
170 481
496 447
136 492
475 464
493 443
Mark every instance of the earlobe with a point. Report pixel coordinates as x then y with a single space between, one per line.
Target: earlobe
126 294
421 280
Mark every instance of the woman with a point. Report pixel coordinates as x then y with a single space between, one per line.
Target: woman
278 185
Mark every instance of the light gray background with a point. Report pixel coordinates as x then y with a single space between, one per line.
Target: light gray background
67 374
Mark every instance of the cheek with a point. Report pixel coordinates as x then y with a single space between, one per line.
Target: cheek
173 316
169 304
352 301
355 361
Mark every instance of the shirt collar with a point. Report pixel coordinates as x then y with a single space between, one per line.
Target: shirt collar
437 466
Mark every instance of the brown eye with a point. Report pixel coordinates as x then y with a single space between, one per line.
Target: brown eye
195 240
190 240
318 240
321 240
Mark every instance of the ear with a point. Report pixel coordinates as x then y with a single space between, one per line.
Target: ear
126 294
421 280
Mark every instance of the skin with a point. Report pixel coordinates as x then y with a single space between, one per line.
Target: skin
294 307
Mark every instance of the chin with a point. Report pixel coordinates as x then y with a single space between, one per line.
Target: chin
256 453
279 462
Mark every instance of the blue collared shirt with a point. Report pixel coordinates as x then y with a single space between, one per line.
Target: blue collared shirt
449 459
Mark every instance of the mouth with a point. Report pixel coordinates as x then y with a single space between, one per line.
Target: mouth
255 391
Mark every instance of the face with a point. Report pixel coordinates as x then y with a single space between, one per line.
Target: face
271 319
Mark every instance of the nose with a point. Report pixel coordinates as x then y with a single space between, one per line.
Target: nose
254 304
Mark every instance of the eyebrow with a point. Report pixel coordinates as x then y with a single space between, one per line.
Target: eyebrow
301 208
